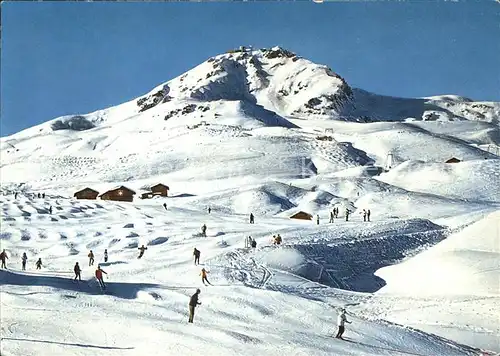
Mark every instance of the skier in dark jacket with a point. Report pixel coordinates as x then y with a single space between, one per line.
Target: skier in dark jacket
196 254
24 259
3 257
142 249
78 272
193 302
204 230
39 264
368 213
106 255
252 218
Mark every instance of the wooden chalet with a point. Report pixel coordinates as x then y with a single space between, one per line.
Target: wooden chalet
160 189
301 215
453 160
121 193
86 193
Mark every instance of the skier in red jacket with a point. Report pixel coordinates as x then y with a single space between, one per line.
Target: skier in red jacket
98 275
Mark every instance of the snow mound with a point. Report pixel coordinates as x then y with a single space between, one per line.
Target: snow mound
466 263
459 180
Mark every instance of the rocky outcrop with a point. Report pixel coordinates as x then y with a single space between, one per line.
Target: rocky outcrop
150 101
277 52
188 109
75 123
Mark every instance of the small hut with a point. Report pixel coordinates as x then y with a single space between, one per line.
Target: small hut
146 195
453 160
86 193
301 216
160 189
118 194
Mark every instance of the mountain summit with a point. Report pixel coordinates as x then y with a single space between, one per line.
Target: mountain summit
275 78
267 87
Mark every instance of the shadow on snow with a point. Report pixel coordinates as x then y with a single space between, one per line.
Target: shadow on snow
69 344
116 289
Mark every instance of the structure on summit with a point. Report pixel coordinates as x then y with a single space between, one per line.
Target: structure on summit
119 194
86 193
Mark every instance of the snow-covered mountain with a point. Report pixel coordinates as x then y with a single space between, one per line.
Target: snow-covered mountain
267 132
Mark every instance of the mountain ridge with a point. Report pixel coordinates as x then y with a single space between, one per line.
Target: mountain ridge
279 81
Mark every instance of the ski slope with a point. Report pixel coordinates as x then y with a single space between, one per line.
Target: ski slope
256 305
270 133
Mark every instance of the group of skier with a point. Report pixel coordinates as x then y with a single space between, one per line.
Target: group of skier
98 274
39 195
334 214
250 242
24 260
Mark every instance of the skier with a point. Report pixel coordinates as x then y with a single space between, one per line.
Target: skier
78 271
98 275
209 210
317 219
364 215
165 206
203 275
331 216
193 302
106 255
347 212
142 249
204 230
254 243
91 258
252 218
24 259
368 213
39 263
341 319
278 239
3 257
196 254
15 195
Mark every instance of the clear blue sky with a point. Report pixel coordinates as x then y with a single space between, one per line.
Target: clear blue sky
62 58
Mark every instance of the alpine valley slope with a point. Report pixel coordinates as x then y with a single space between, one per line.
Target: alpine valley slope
260 131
